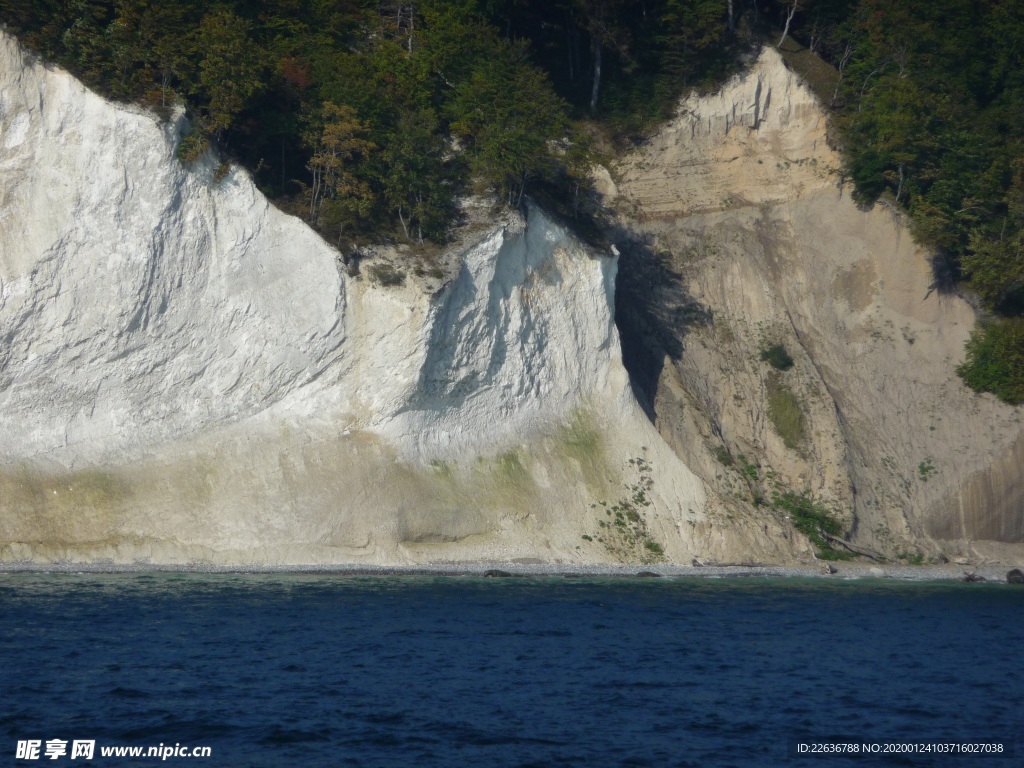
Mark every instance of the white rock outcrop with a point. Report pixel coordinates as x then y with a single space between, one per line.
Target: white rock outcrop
186 374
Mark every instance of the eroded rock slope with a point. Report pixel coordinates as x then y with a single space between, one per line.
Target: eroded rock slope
739 235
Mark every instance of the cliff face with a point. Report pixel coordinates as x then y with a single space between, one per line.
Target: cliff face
188 376
754 241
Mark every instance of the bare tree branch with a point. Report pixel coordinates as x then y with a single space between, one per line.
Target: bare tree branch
789 18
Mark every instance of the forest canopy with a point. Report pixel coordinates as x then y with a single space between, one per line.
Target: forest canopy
365 116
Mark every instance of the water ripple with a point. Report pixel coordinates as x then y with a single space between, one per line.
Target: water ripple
284 670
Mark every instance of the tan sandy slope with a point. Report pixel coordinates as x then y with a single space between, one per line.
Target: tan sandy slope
741 204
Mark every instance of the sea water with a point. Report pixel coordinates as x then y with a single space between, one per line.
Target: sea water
303 670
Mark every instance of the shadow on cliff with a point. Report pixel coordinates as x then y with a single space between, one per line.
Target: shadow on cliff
653 312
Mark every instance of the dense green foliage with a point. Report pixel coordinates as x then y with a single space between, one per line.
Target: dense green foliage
623 61
365 116
347 112
814 521
785 413
777 357
995 359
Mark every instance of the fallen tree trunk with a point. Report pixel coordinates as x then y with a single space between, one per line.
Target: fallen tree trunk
869 553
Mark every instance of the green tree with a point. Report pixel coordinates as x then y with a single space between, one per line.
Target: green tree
74 33
337 197
510 121
418 183
230 69
994 263
688 28
995 360
606 28
147 55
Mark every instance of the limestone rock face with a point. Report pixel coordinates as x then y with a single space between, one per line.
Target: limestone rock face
140 301
754 241
188 376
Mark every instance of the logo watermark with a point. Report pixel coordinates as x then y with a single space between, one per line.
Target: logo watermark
81 749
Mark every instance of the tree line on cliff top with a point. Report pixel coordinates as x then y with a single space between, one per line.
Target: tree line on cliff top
373 116
365 116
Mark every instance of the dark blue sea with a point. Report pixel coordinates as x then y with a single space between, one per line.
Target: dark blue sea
298 670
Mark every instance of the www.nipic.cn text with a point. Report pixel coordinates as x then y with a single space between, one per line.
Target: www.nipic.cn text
56 749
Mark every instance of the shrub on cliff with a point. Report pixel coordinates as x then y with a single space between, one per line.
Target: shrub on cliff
777 357
813 520
995 360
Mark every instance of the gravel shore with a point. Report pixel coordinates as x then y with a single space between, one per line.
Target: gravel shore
988 573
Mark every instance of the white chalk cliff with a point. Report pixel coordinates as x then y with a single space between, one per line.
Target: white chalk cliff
188 375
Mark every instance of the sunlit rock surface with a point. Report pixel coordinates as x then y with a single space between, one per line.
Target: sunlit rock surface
189 376
740 206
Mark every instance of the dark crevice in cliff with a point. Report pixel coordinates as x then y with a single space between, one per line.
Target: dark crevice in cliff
653 313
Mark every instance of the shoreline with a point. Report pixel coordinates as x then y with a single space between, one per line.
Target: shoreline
844 571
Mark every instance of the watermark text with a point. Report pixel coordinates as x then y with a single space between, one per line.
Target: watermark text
86 749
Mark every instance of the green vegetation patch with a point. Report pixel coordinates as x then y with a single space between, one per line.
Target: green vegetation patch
192 146
442 469
777 357
723 456
786 414
503 481
622 525
511 471
387 275
580 440
821 76
750 470
995 360
912 558
813 520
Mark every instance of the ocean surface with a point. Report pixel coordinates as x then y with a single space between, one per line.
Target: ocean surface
304 670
